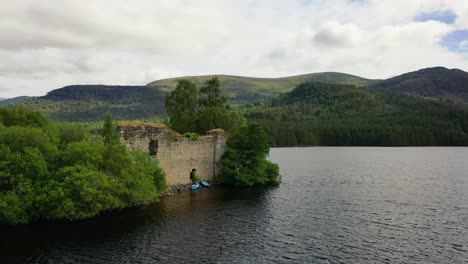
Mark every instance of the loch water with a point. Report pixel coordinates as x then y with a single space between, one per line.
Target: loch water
335 205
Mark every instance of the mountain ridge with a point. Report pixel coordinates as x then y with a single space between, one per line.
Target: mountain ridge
436 82
88 102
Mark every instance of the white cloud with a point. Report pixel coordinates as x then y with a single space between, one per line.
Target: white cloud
48 44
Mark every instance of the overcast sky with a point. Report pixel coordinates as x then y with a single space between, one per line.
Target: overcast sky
48 44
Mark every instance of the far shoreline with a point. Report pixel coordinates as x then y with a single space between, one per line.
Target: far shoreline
317 146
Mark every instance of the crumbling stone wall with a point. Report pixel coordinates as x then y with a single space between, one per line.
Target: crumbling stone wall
177 155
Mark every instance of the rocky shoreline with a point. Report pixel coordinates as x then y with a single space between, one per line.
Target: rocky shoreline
173 189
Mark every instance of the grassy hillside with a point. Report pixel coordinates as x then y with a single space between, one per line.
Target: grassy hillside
439 82
328 114
248 89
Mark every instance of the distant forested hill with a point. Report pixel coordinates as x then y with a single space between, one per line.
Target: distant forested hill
438 82
90 102
330 114
10 101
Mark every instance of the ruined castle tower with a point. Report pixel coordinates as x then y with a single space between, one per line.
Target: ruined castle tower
177 155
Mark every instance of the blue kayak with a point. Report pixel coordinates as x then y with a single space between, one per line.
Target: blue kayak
205 184
195 186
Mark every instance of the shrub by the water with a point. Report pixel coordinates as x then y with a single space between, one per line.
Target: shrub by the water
245 163
58 171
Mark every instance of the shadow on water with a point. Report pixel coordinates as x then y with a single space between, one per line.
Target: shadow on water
27 242
178 227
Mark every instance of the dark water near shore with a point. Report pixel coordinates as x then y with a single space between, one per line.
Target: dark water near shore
335 205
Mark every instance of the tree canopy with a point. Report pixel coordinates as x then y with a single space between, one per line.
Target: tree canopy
60 171
182 107
245 161
193 110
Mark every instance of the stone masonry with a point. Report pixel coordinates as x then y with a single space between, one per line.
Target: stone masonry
177 155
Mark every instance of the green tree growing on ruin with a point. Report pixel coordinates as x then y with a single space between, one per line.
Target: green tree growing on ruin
109 131
193 110
245 161
214 111
210 95
182 106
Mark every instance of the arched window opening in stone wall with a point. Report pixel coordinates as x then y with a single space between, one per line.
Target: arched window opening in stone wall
153 147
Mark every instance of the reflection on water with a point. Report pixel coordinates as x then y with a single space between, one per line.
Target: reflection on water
352 205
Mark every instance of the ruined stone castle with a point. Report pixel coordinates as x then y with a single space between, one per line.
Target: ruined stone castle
177 155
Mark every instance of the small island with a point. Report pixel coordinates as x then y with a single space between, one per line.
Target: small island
67 171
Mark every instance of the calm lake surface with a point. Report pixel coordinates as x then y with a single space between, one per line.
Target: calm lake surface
335 205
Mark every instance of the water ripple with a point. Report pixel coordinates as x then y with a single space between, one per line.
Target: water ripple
335 205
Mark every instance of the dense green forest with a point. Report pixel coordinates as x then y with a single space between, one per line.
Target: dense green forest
51 170
341 115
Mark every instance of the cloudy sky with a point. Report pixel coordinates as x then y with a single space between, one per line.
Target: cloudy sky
48 44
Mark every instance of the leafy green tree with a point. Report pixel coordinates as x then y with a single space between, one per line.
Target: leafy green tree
23 117
109 131
70 132
182 106
213 117
192 111
214 112
83 177
12 209
18 138
210 95
86 153
151 169
6 181
84 192
245 163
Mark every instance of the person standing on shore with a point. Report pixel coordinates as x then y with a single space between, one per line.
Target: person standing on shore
194 176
